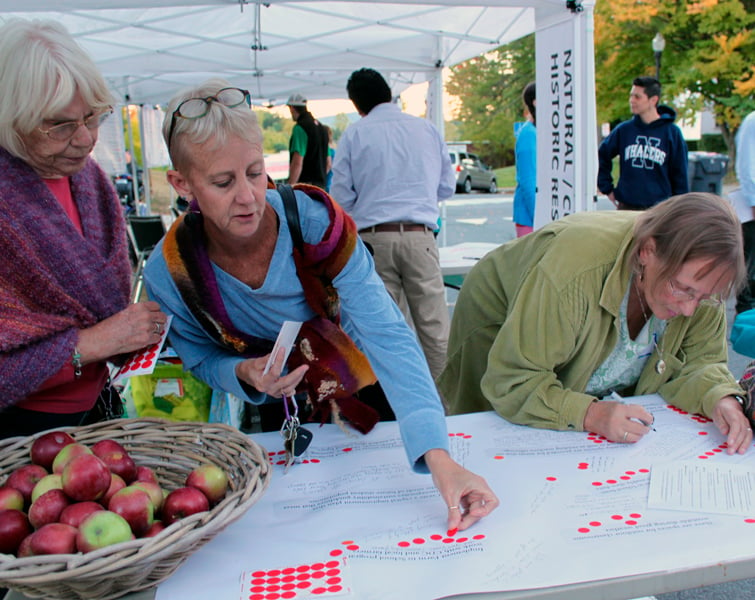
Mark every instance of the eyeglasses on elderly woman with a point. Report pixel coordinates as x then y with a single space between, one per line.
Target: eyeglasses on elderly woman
196 108
62 132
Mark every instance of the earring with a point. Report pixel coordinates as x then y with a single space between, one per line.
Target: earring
642 272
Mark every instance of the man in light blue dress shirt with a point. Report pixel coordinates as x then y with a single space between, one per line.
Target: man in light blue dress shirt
390 172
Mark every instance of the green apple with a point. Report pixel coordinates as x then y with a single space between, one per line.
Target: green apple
100 529
47 483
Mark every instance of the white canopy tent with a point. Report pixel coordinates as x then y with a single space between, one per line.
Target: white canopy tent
149 49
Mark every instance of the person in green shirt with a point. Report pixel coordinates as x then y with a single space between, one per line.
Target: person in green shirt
308 146
549 326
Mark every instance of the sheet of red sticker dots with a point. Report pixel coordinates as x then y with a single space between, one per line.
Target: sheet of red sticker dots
144 361
322 579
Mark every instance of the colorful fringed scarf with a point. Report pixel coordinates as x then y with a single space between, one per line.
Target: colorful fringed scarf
53 281
337 368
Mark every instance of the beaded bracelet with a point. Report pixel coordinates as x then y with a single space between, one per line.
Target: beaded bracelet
76 361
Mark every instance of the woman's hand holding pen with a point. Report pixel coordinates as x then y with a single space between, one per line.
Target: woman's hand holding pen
731 421
468 496
618 422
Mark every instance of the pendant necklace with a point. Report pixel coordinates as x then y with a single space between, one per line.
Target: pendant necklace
660 366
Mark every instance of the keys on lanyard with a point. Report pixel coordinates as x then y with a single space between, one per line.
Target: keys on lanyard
296 439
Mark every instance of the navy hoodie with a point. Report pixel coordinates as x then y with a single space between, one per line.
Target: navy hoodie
652 160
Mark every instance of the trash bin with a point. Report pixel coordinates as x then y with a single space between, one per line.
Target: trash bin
706 171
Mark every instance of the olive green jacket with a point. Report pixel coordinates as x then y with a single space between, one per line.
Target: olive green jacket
537 316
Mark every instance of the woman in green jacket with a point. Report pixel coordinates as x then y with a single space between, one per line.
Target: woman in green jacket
596 303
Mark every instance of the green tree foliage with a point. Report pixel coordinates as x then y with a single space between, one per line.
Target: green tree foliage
276 131
490 89
708 59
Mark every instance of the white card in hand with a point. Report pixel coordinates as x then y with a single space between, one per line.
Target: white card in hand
286 339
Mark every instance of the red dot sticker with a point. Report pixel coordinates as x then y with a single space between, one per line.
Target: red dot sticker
404 544
584 530
550 479
336 552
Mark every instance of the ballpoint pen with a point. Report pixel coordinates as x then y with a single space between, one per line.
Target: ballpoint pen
618 398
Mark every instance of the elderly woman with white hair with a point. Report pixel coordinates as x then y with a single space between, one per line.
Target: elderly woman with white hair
234 269
65 275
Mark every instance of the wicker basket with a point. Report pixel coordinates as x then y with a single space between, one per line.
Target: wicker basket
172 450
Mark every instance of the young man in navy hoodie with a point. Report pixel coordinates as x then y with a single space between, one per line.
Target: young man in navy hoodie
652 152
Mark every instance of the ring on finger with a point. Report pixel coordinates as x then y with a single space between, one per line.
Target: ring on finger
158 328
624 439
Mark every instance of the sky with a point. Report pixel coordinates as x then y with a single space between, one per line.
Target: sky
413 98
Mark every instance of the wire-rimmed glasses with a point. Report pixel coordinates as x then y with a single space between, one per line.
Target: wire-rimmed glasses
196 108
688 295
62 132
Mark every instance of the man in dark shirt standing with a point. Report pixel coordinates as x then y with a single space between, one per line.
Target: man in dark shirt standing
651 149
308 146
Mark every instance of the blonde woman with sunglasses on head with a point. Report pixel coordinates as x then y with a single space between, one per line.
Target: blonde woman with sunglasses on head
233 270
64 275
549 328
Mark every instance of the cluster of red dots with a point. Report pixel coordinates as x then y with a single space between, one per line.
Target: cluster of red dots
449 538
626 476
465 436
597 439
285 584
713 451
279 458
631 520
583 466
141 361
695 417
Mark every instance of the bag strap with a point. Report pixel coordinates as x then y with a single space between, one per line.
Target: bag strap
292 214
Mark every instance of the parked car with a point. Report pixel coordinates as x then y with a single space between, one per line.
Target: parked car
472 173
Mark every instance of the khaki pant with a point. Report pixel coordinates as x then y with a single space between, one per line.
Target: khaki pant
409 265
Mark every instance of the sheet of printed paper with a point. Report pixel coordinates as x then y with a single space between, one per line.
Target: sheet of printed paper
351 520
143 362
286 339
703 487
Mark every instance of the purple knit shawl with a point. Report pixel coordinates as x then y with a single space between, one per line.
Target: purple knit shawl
53 281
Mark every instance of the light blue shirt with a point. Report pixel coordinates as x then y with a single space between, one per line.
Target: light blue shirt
745 165
526 175
391 166
368 315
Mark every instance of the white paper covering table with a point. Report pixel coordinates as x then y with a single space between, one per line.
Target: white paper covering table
354 522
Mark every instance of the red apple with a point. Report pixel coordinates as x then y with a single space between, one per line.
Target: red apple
85 477
66 454
116 483
120 463
106 447
45 448
183 502
47 483
209 479
25 478
53 538
154 529
100 529
14 527
135 506
75 513
47 508
155 492
11 498
144 473
24 548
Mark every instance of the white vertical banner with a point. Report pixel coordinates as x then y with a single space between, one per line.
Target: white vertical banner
110 149
566 121
153 146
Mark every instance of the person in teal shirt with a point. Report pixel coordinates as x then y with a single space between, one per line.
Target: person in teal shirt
526 167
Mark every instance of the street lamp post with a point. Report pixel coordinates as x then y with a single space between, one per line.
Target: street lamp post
658 45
